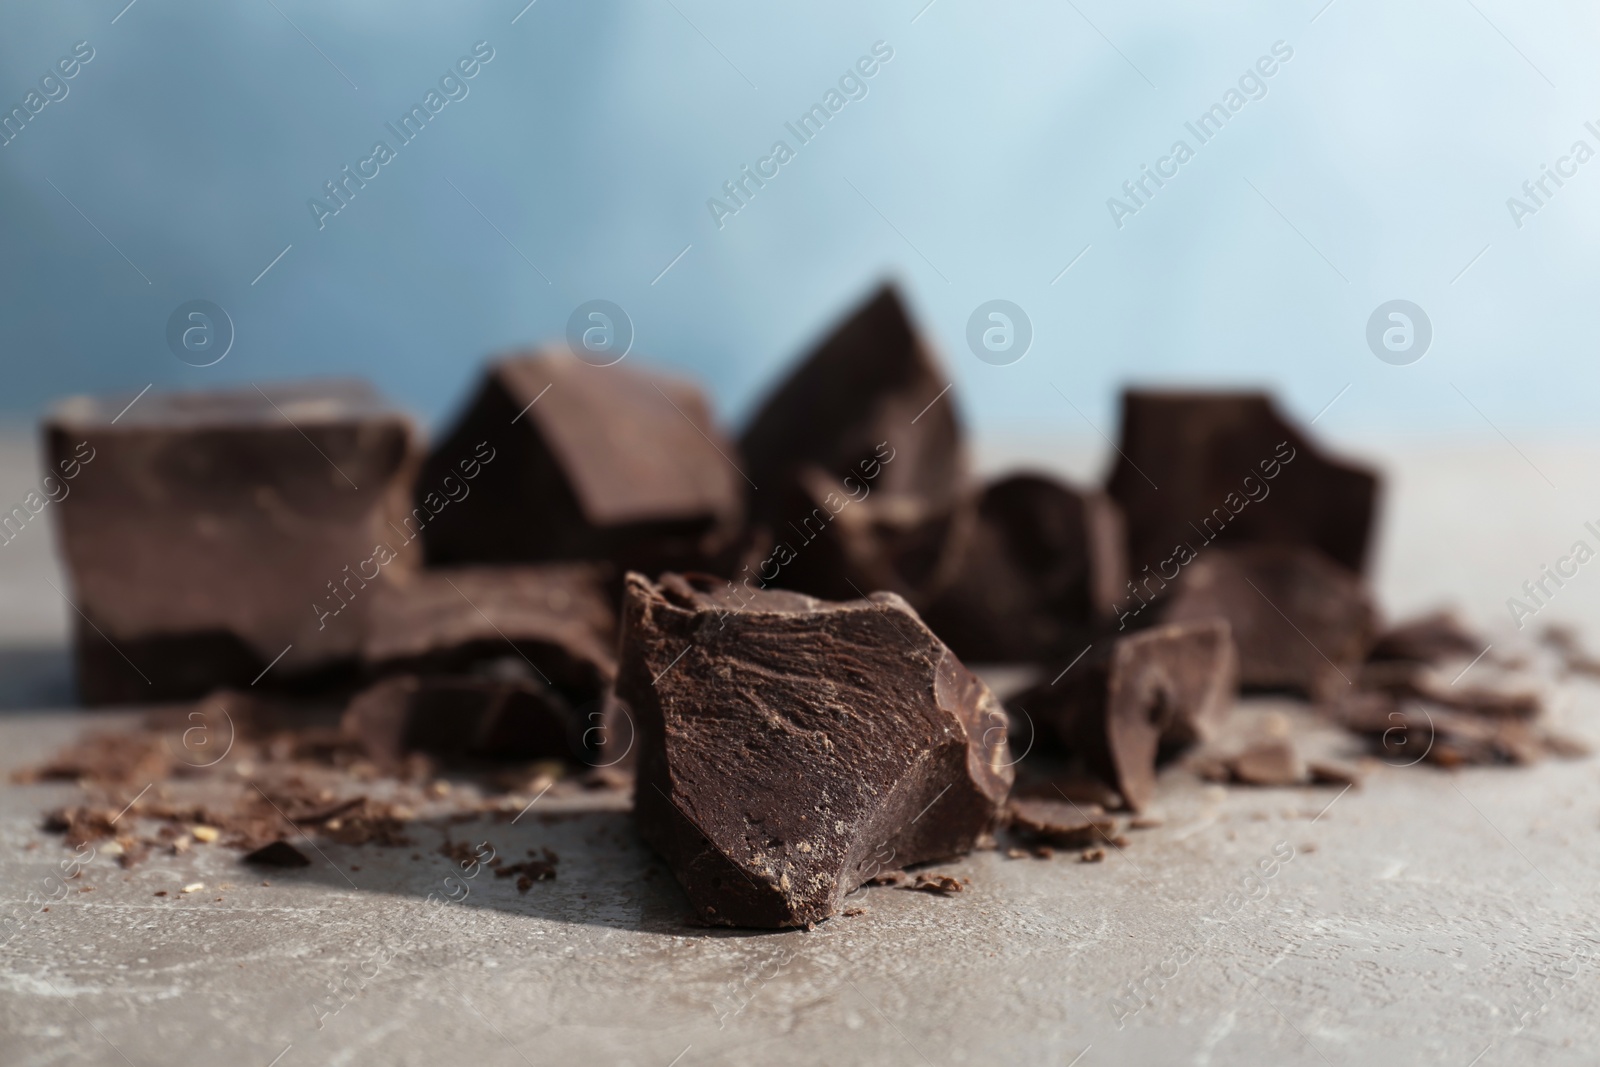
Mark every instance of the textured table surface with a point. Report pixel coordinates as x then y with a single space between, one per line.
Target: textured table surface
1427 917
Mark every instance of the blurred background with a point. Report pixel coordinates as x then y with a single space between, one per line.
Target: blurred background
976 163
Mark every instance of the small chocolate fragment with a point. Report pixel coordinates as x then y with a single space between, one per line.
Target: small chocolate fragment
864 405
1328 772
1230 468
278 854
1490 692
943 884
1301 621
555 618
1058 822
1131 697
461 717
1428 639
1267 763
1407 732
209 534
614 463
794 748
1040 573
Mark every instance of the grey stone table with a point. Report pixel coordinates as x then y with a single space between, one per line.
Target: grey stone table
1428 917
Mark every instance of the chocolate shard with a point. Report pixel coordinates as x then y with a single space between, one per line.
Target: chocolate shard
555 620
1406 732
207 534
462 718
866 406
613 463
278 854
1059 822
1490 691
1231 468
1430 638
792 748
1301 621
1134 699
1268 763
1333 772
1039 575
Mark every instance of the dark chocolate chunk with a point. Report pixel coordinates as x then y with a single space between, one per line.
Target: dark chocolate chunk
1041 572
792 748
836 547
208 534
867 406
1428 639
278 854
1059 822
612 463
464 718
1267 763
1301 621
555 620
1131 697
1196 467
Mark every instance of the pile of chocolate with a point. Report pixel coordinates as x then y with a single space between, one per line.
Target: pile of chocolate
766 637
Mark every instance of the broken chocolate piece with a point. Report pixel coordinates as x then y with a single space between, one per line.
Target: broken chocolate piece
837 548
1058 822
1328 772
1301 621
554 620
1041 571
1131 697
461 717
278 854
1428 639
943 884
614 463
1231 469
867 405
210 535
1267 763
793 749
1491 692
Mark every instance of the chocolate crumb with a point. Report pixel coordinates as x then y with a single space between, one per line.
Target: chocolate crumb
1094 855
278 854
943 884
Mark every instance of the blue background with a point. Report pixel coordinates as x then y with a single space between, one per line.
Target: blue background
977 167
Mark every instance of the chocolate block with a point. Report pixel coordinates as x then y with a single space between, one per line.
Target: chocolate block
207 534
1040 573
1301 621
555 619
462 718
790 748
865 405
1231 469
1133 700
612 463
